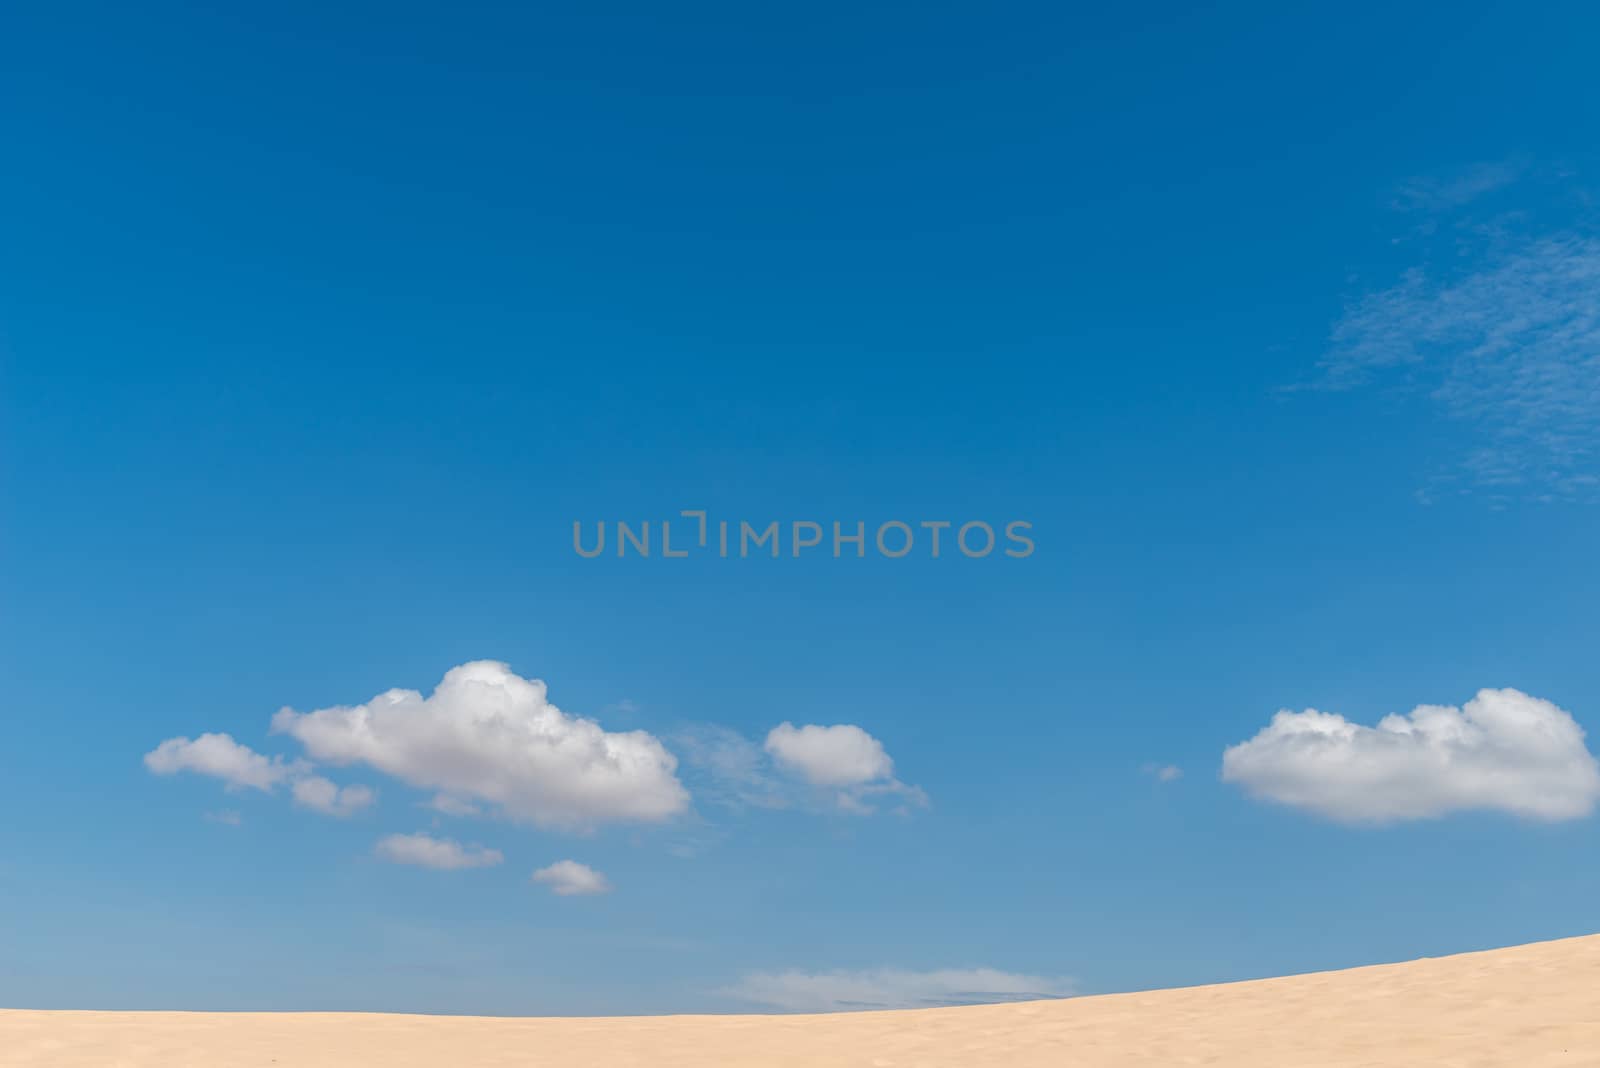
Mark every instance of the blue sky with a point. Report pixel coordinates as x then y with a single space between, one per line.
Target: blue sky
321 325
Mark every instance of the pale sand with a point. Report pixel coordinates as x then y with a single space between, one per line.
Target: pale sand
1527 1007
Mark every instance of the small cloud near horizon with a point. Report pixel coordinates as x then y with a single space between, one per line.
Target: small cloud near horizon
893 988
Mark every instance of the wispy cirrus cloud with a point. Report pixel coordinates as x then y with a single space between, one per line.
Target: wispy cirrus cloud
1498 331
732 770
1457 188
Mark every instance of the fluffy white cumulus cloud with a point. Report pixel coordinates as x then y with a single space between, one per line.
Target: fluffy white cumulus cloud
1502 750
890 988
569 879
488 734
444 854
323 795
220 757
841 755
842 758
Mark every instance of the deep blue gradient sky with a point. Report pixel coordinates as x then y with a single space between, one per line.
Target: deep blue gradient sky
321 324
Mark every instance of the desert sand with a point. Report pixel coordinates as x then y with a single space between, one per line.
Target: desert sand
1529 1006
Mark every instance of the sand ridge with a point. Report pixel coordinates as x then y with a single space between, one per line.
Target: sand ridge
1529 1006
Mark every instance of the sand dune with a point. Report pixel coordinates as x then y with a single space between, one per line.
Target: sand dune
1528 1007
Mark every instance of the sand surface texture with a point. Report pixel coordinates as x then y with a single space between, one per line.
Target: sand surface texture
1529 1006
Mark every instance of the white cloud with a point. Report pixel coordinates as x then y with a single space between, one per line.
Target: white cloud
220 757
444 854
856 799
316 792
1504 342
453 806
569 878
842 755
489 734
890 988
1502 750
735 770
1443 192
1164 772
837 768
